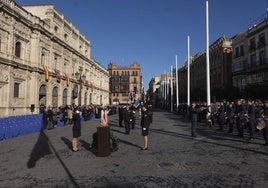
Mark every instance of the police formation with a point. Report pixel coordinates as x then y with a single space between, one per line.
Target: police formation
242 115
128 114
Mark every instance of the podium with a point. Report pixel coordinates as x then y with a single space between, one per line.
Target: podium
103 133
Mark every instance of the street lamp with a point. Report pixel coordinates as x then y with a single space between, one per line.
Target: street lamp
81 80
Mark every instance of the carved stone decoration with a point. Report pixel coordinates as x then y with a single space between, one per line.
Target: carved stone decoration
4 77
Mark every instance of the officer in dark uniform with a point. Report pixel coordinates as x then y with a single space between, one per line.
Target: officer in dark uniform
194 110
265 118
251 119
120 115
221 115
126 117
230 114
240 117
132 116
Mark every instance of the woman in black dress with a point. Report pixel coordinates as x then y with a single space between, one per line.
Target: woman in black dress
76 129
145 123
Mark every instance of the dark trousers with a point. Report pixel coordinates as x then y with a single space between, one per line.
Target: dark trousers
132 122
127 126
240 127
265 134
120 121
251 128
193 128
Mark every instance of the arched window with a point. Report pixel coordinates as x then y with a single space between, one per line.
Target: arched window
42 94
42 59
90 98
18 49
85 99
55 97
64 97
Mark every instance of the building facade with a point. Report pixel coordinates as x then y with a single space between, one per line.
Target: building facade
154 91
125 83
44 59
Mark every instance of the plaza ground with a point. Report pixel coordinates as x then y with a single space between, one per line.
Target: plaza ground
174 158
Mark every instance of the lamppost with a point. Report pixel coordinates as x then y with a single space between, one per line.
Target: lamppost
81 80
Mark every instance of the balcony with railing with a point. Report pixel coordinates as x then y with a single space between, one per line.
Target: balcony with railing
258 66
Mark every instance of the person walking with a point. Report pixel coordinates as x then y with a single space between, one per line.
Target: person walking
145 123
76 129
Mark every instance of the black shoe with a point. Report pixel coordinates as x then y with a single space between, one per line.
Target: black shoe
194 136
144 148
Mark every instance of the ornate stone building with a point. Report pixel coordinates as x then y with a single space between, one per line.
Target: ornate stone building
125 83
45 59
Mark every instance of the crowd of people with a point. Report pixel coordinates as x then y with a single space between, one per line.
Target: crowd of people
71 115
240 114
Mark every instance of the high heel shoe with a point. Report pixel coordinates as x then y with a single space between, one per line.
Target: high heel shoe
144 148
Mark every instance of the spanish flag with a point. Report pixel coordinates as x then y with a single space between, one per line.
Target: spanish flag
46 72
67 79
92 87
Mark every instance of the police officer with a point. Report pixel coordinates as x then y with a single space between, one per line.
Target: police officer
132 116
221 115
126 117
194 110
230 114
120 115
251 119
265 118
240 117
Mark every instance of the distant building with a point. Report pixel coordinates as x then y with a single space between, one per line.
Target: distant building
44 59
154 91
125 83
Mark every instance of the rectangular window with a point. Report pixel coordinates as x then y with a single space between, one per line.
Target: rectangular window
242 50
16 90
252 45
253 60
262 57
236 52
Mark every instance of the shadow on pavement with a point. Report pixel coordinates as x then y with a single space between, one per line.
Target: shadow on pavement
67 142
129 143
87 146
40 150
44 147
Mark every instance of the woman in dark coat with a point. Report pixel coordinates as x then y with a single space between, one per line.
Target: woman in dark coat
76 129
145 123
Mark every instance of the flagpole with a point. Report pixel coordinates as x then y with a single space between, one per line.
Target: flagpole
177 85
171 89
207 58
188 72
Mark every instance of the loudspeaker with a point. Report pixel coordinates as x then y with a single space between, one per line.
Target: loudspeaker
32 107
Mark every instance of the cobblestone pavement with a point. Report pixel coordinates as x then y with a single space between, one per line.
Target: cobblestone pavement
174 159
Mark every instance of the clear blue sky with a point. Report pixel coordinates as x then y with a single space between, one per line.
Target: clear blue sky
152 32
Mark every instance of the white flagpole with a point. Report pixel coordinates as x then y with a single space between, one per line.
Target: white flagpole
165 92
207 58
177 85
188 73
171 89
